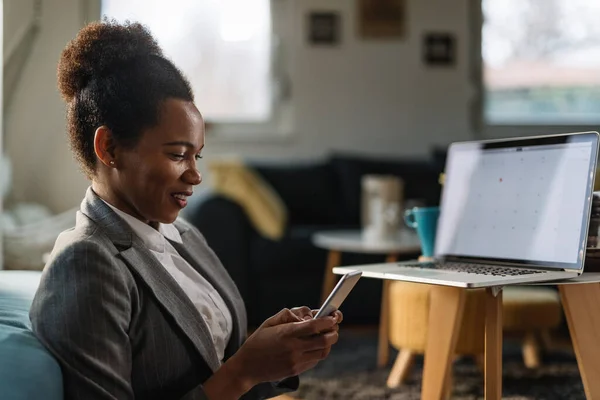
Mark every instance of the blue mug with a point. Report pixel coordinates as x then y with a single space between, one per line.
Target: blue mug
424 220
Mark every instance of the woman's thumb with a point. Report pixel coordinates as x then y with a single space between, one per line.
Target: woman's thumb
284 316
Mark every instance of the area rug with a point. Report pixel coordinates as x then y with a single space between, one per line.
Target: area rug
350 373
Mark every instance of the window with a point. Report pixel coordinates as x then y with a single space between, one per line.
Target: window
229 51
541 62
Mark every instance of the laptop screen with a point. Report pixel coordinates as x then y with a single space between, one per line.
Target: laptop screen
521 200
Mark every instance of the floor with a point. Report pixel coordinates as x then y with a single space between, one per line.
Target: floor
362 328
558 343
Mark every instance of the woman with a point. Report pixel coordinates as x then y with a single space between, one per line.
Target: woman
133 303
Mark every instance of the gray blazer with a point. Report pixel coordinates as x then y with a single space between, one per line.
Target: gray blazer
119 324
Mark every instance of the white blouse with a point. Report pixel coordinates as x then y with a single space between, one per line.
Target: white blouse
204 296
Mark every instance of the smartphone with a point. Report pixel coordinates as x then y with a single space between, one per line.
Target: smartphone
339 293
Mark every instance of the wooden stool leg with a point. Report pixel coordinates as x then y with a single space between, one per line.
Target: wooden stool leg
401 368
493 346
531 350
445 317
580 303
333 260
383 349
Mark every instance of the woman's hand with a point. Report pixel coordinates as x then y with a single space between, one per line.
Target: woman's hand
285 345
306 313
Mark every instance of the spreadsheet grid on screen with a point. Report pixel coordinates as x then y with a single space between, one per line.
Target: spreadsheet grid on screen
515 203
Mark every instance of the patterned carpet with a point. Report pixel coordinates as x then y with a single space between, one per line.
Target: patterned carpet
350 374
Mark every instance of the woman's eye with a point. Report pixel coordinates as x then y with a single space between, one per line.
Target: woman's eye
178 156
198 156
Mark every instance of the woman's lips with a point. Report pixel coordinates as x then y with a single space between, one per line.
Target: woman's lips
180 199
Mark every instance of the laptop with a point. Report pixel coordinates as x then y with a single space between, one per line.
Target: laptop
512 211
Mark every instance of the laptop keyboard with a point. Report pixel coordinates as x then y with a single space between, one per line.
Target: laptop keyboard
480 269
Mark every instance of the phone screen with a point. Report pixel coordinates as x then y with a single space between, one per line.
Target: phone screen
339 293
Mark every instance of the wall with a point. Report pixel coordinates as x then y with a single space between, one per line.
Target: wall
44 170
18 13
371 97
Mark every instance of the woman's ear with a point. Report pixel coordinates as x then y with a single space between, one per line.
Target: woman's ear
104 146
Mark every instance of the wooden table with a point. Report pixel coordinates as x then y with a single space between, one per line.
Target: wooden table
580 298
350 241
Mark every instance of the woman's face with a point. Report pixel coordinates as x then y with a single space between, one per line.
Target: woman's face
154 179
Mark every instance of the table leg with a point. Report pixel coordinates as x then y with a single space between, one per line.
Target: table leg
580 303
333 260
493 346
445 317
383 348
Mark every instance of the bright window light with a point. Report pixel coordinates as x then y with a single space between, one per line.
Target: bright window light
541 62
222 46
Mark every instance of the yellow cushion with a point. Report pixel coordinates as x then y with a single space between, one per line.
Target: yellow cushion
597 180
523 308
264 207
409 318
528 308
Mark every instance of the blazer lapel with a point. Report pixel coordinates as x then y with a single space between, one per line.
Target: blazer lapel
161 284
203 259
174 300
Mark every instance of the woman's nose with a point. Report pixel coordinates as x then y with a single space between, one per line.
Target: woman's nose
192 176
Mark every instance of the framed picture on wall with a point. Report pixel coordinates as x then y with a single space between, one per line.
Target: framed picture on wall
439 49
382 19
324 28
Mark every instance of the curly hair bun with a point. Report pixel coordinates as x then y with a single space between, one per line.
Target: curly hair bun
100 47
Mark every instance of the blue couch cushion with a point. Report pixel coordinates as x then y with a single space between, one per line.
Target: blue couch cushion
27 370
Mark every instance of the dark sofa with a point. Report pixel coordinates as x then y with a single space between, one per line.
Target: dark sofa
318 196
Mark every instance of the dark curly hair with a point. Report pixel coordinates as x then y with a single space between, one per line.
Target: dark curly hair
115 75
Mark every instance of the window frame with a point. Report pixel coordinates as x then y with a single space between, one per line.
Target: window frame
480 126
280 125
